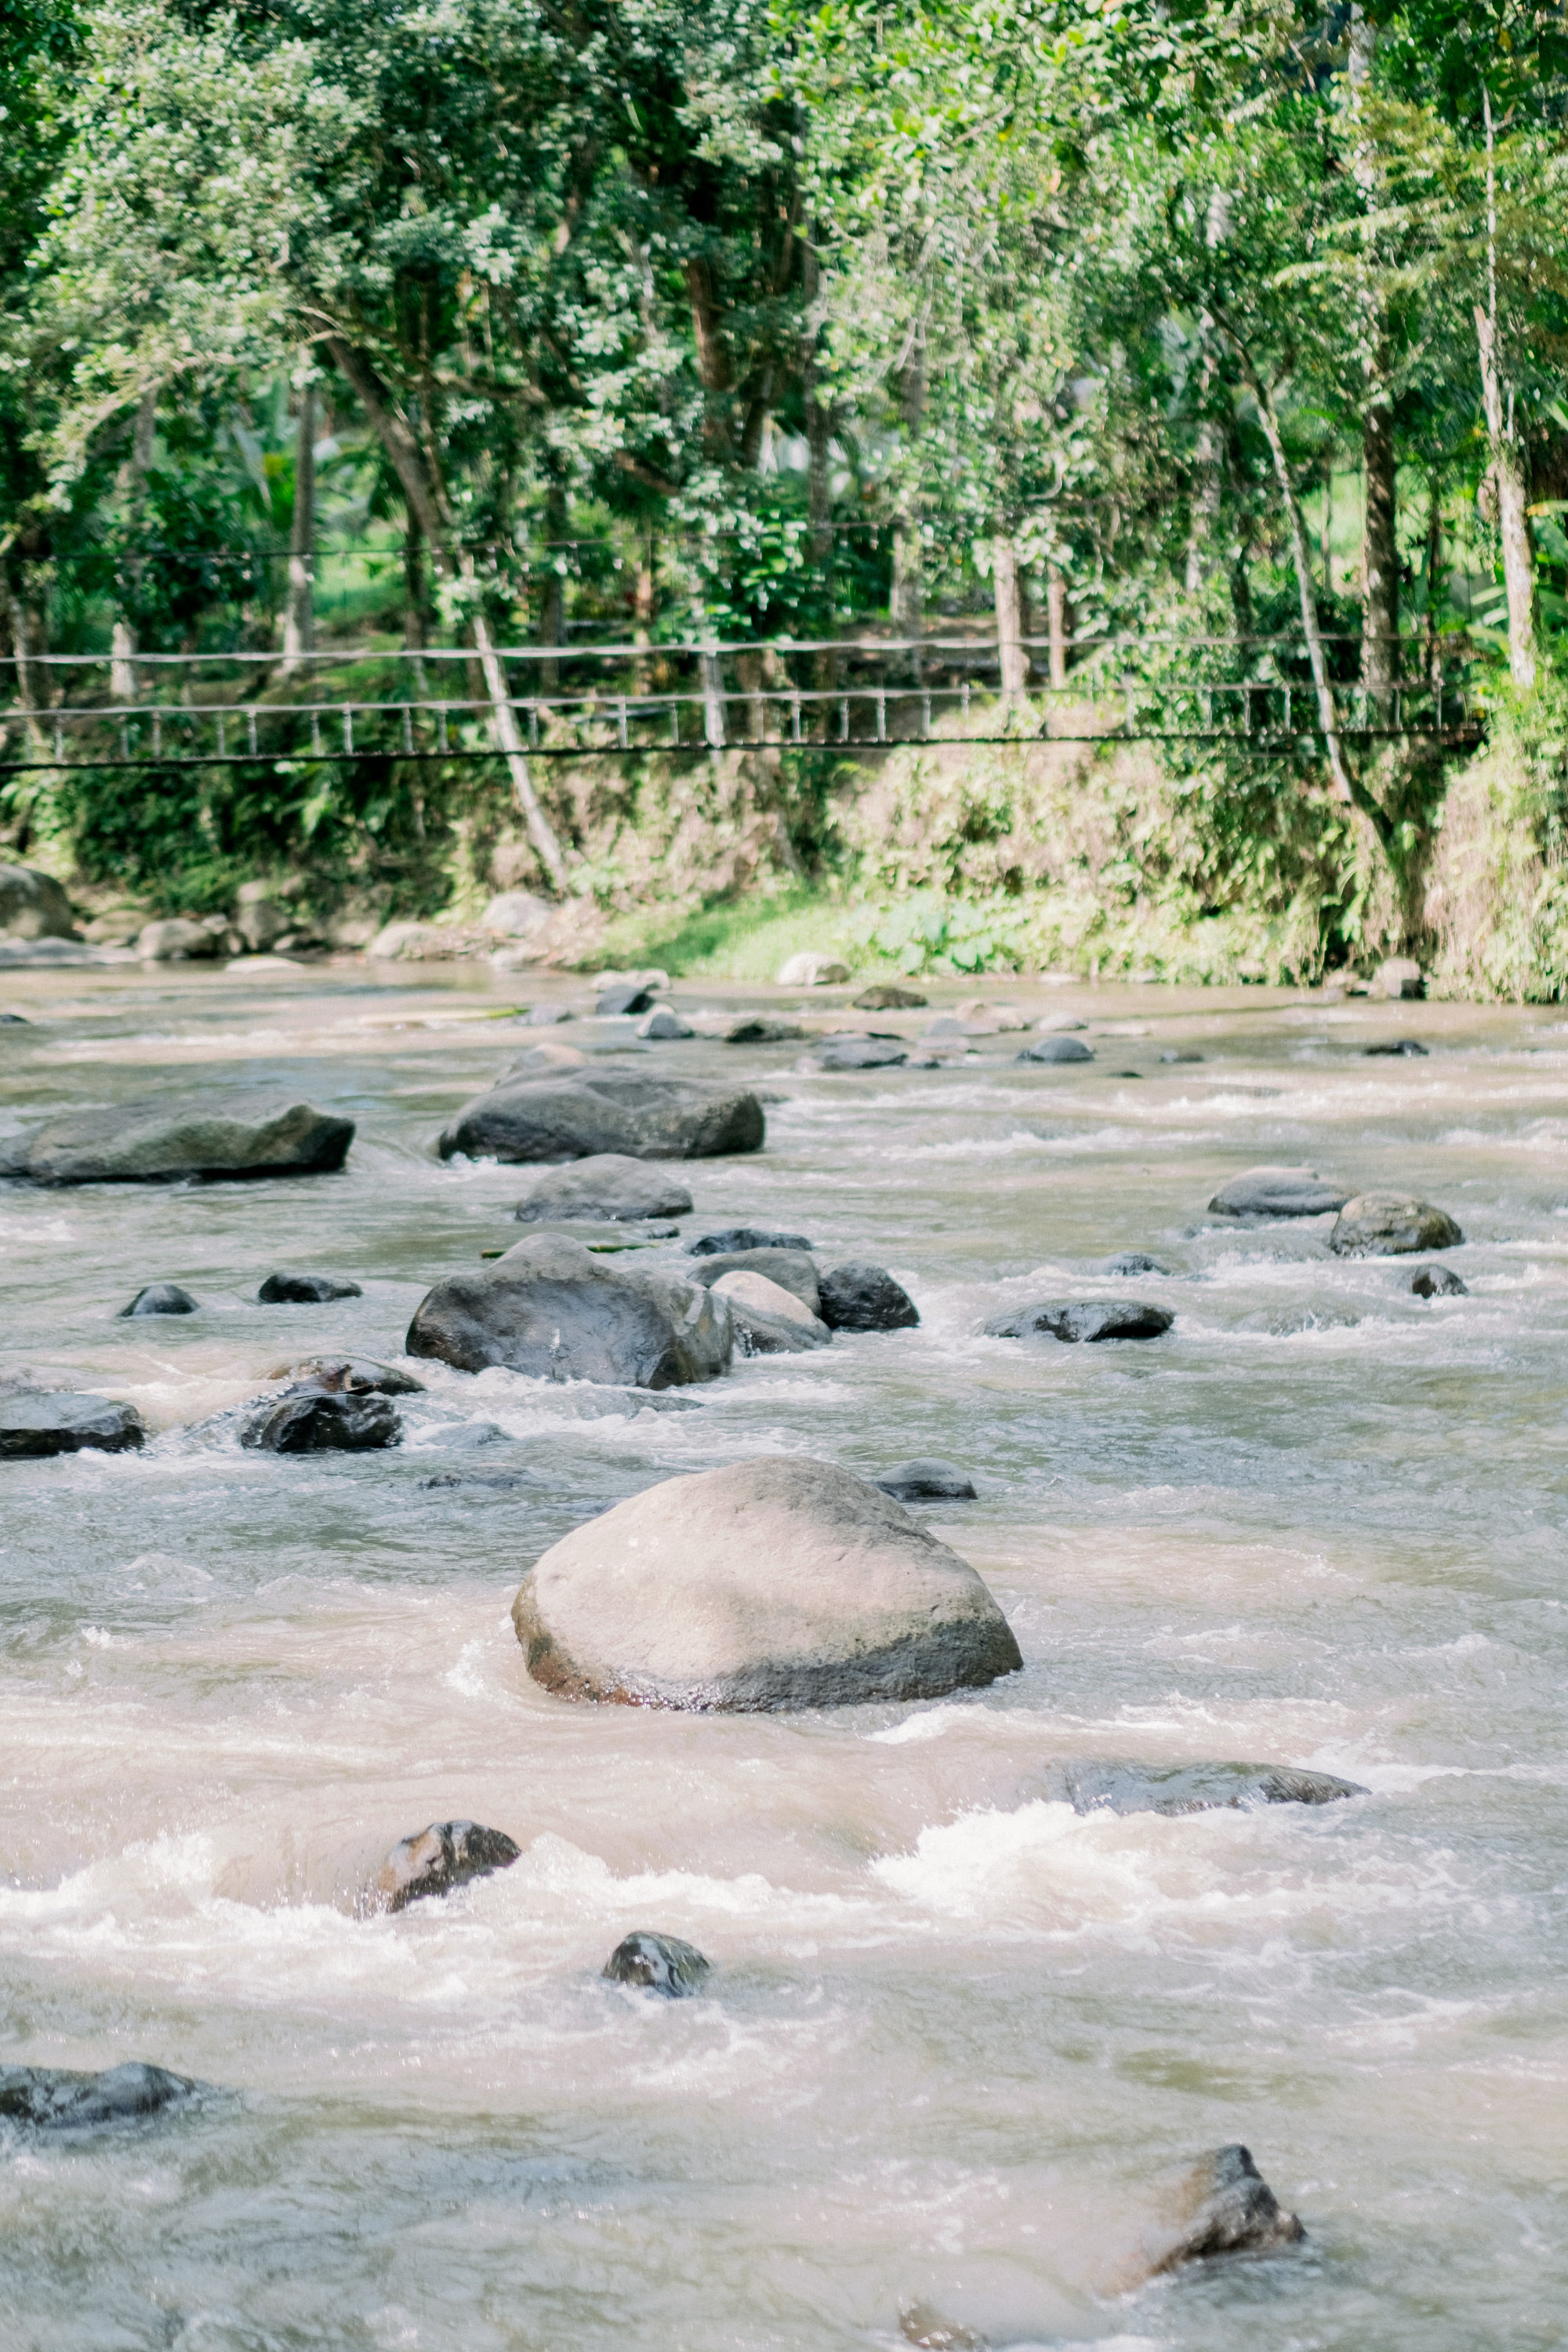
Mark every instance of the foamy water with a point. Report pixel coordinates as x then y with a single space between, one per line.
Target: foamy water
955 2029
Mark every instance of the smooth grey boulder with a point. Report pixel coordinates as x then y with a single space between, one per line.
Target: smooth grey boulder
623 996
661 1964
38 1422
1392 1224
33 905
886 996
745 1237
663 1026
792 1269
438 1860
607 1187
351 1376
1057 1048
769 1320
1277 1193
57 2098
1220 2205
589 1112
860 1054
859 1298
1092 1784
927 1480
305 1289
770 1584
312 1420
1083 1319
159 1299
1438 1282
761 1029
552 1308
157 1138
178 940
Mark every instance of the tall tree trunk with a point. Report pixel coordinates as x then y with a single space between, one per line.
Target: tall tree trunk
818 409
711 670
1434 566
1011 658
906 602
300 609
24 643
553 607
1058 625
1378 565
1507 463
133 484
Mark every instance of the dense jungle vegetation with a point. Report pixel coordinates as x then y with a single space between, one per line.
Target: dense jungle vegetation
348 325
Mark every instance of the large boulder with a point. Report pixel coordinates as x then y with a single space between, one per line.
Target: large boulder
312 1418
792 1269
1092 1784
178 940
770 1584
578 1117
1083 1319
860 1298
606 1188
515 915
771 1320
661 1964
57 2098
1392 1224
438 1860
305 1289
1400 977
159 1138
33 905
553 1309
39 1422
1277 1193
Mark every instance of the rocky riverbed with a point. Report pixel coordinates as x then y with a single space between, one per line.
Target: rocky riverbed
1217 1376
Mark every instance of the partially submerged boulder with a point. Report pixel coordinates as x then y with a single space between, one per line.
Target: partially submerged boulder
623 996
305 1289
608 1187
1400 1048
59 2098
887 996
855 1296
792 1269
771 1320
1220 2205
770 1584
663 1025
1438 1282
1392 1224
159 1299
1093 1784
592 1112
312 1418
927 1480
654 1963
33 905
438 1860
351 1376
1277 1193
35 1422
760 1029
745 1237
1132 1262
1075 1319
1057 1048
160 1138
848 1052
552 1308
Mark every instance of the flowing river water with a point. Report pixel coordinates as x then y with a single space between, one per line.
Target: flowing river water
955 2028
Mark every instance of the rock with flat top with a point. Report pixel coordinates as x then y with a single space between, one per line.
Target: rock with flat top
1392 1224
1278 1192
1057 1048
771 1584
810 971
1092 1784
660 1964
305 1289
607 1187
1076 1319
33 905
886 996
35 1422
553 1309
771 1320
159 1299
792 1269
59 2098
592 1112
860 1298
439 1859
845 1051
159 1139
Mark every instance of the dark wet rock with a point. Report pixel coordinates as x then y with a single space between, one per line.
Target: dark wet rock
590 1112
35 1422
745 1237
351 1376
1392 1224
1083 1319
851 1053
158 1139
761 1029
626 996
1092 1784
305 1289
438 1860
660 1964
311 1419
887 997
793 1269
504 1481
771 1584
57 2098
553 1309
159 1299
33 905
1277 1193
930 2330
1220 2205
1438 1282
1057 1048
769 1320
1133 1262
1409 1047
607 1187
663 1025
14 1020
860 1298
926 1480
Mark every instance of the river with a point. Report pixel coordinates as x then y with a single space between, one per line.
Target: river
953 2029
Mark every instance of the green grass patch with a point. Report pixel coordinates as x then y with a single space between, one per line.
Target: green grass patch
745 938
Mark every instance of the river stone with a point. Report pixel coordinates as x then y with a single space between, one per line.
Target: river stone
1220 2205
745 1237
159 1299
33 905
595 1112
1058 1025
178 941
760 1029
770 1584
57 2098
1058 1048
851 1053
305 1289
859 1298
1083 1319
1392 1224
552 1308
1399 977
661 1964
606 1188
1438 1282
663 1025
1277 1193
926 1480
515 915
771 1320
315 1420
792 1269
160 1138
623 996
1132 1262
1409 1047
886 997
439 1859
352 1376
1091 1784
38 1422
930 2330
542 1060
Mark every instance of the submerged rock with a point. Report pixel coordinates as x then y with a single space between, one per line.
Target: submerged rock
771 1320
771 1584
761 1029
38 1422
154 1139
1392 1224
1220 2205
313 1419
1057 1048
159 1299
1277 1193
745 1237
352 1376
1092 1784
793 1269
663 1025
660 1964
926 1480
1409 1047
623 996
553 1309
1438 1282
888 997
438 1859
577 1117
1083 1319
57 2098
1132 1262
305 1289
852 1053
922 2324
859 1298
607 1187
